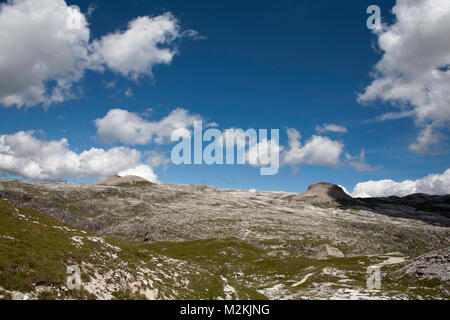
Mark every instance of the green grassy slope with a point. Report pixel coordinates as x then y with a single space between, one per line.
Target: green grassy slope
35 250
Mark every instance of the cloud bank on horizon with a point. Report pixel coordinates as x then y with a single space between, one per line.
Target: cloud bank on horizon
437 184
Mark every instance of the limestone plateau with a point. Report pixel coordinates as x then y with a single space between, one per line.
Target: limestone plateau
135 239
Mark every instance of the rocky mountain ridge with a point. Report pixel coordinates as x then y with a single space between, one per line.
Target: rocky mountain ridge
257 241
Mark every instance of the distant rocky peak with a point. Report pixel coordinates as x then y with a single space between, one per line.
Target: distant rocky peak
116 180
323 192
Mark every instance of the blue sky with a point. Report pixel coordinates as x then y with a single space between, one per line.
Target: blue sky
252 64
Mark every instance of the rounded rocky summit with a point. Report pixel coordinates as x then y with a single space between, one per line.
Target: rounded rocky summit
115 180
323 192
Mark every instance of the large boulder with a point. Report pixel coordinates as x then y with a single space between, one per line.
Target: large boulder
432 265
323 192
326 251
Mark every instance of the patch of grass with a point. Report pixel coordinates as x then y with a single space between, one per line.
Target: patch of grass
47 295
38 252
229 257
4 295
127 295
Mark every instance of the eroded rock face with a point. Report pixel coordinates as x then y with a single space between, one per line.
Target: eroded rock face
327 251
433 265
267 219
116 180
323 192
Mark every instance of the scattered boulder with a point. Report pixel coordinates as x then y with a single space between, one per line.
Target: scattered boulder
323 192
327 251
432 265
115 180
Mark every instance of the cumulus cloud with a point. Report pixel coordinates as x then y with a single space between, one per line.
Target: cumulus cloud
129 128
413 72
147 42
39 47
24 155
318 150
438 184
46 50
330 127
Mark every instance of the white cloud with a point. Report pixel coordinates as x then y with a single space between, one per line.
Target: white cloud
331 128
22 154
147 42
414 68
317 151
394 116
38 46
129 128
426 138
45 50
431 184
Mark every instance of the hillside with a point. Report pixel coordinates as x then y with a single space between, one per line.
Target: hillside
116 180
198 242
323 192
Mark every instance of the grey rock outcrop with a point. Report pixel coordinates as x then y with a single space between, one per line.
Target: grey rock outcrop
327 251
432 265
